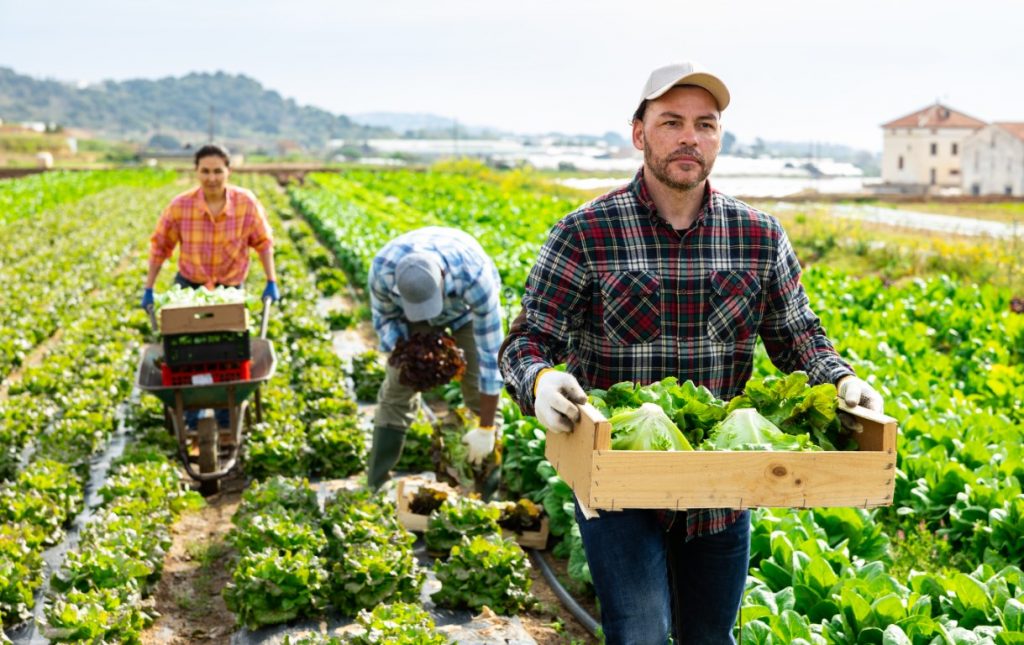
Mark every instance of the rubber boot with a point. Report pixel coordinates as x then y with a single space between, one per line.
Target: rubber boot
384 454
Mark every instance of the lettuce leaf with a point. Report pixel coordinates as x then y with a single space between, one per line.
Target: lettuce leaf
746 429
646 428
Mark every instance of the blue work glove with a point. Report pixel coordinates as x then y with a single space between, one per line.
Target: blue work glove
147 299
271 291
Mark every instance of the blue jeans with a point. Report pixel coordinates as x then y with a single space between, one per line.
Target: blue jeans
652 583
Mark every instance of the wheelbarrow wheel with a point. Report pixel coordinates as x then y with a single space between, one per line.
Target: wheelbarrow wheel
208 440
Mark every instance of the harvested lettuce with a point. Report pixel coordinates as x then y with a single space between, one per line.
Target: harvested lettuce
178 296
693 409
646 428
796 408
746 429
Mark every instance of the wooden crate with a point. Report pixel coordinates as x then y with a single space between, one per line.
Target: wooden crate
532 539
608 479
231 316
406 489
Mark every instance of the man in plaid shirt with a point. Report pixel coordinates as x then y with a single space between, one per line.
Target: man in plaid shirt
666 277
428 280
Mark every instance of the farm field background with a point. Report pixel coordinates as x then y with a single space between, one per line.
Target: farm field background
934 321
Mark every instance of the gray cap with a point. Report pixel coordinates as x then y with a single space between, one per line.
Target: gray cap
420 285
688 72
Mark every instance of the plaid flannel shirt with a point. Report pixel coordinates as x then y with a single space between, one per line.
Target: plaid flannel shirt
619 295
214 250
471 293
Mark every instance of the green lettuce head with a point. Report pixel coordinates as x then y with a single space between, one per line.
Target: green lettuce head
646 428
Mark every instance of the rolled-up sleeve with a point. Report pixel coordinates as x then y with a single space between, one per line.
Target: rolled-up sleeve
260 236
167 235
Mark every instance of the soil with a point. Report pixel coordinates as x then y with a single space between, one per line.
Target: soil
198 565
551 623
199 562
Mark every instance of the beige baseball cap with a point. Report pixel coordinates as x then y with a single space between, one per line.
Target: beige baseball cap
688 72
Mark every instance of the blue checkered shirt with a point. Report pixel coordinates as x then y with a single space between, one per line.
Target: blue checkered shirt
472 290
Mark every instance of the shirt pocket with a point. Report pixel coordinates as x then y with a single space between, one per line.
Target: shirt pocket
734 305
631 301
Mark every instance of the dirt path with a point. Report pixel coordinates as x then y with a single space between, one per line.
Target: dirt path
197 566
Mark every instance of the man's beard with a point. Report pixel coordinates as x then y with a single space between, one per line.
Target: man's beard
660 168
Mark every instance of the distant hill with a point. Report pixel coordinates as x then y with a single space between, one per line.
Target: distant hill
243 109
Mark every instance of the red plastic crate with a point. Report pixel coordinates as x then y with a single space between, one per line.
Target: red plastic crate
219 371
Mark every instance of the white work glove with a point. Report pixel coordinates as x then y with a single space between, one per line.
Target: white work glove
557 399
854 391
480 442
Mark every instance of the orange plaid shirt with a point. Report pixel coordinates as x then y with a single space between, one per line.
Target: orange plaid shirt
214 250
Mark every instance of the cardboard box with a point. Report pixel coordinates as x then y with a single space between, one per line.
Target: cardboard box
204 318
607 479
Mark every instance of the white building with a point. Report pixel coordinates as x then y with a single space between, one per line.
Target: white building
993 160
921 152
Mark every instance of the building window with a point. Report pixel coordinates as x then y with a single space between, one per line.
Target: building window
933 177
1008 190
954 149
899 163
935 149
954 171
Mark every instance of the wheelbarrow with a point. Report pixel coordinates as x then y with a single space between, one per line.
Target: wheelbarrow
218 449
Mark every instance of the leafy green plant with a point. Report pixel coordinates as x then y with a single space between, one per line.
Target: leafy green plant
96 616
397 623
273 586
418 447
464 517
373 571
285 493
368 374
485 571
337 447
286 530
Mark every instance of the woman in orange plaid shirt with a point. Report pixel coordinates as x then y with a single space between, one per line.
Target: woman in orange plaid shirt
216 225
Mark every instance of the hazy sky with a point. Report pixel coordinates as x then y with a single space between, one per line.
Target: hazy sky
803 71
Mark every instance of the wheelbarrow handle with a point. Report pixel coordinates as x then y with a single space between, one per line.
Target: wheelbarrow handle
151 311
265 316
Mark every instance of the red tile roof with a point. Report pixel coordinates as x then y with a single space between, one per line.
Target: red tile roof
1014 128
936 116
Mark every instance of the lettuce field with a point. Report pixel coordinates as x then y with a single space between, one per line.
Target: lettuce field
93 499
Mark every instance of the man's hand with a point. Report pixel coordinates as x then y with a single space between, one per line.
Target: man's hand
147 299
853 392
557 401
271 291
480 442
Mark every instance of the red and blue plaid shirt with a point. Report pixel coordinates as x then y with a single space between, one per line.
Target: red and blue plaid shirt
619 295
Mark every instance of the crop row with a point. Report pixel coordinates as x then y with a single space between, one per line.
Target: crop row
310 425
30 196
58 415
56 259
947 356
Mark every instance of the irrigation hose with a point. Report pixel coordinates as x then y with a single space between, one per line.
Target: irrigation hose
579 613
